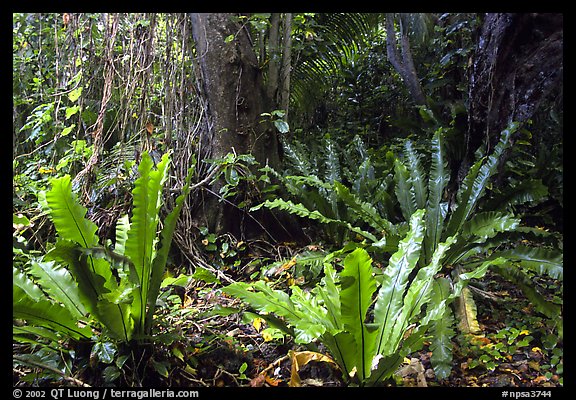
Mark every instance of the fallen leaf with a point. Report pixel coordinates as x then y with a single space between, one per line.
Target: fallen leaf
257 323
272 381
540 379
286 266
300 359
414 368
258 380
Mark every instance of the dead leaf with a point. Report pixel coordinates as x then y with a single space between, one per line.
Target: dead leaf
149 127
540 379
286 266
414 368
465 309
300 359
272 381
258 380
187 301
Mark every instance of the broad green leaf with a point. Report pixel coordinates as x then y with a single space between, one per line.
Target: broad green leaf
21 332
48 314
333 168
71 111
263 298
487 224
59 284
441 330
314 324
32 290
525 283
525 191
20 219
437 180
105 351
344 349
142 236
538 259
389 301
122 229
282 126
68 215
364 210
476 273
330 295
66 131
75 94
417 175
476 181
418 294
98 289
384 367
166 235
204 275
357 287
302 211
404 190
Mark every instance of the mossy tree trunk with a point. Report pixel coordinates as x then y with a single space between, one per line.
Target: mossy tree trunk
233 88
517 63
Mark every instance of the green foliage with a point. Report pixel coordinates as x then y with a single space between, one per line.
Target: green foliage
367 345
478 230
116 288
361 206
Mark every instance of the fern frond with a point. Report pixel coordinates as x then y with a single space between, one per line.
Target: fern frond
142 236
59 284
45 313
300 210
166 235
441 331
436 208
476 181
404 189
417 175
68 215
389 301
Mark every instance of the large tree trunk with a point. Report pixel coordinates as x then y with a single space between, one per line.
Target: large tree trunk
232 85
517 63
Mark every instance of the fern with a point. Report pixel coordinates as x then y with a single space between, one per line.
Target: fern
336 311
442 332
118 288
302 211
437 182
477 180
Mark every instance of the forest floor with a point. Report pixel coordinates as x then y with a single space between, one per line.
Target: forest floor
201 340
515 347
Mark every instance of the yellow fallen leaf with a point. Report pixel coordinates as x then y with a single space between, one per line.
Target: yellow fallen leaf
300 359
257 323
286 266
267 336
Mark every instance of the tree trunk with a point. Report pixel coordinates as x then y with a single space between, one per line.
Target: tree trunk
517 63
286 65
274 64
233 88
403 62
